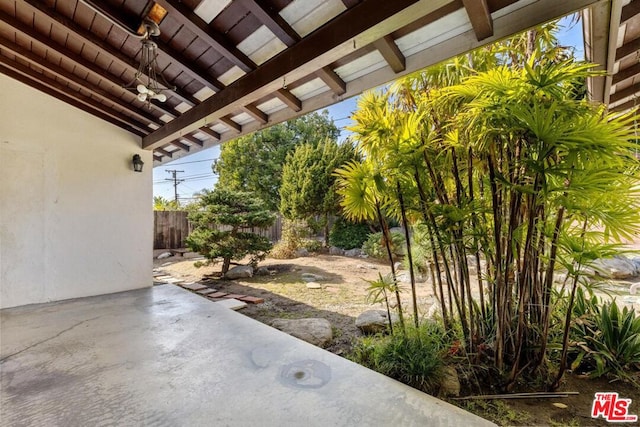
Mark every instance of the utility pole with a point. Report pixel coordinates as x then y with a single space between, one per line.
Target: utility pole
176 181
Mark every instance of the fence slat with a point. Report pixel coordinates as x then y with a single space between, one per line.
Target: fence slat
171 228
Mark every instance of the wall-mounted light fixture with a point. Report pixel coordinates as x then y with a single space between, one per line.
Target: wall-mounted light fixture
137 163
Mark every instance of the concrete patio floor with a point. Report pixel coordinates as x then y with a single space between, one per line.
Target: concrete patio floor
163 356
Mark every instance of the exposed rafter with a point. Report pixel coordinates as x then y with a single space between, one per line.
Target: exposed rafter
98 44
331 79
289 99
226 120
480 17
272 20
625 93
59 72
194 23
164 152
319 46
212 133
256 113
391 53
630 48
629 12
181 145
192 139
626 74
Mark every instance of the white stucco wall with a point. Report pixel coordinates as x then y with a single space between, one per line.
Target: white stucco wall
75 220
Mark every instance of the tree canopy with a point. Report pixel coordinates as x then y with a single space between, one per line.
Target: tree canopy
254 163
220 224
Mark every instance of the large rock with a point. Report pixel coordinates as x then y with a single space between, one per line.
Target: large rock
164 255
316 331
375 321
618 267
301 252
336 251
355 252
450 384
239 272
310 277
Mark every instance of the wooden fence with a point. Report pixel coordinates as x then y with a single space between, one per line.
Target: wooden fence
171 228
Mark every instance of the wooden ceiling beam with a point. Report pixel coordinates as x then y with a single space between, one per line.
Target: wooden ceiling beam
629 12
628 49
134 22
256 113
272 20
100 45
212 133
78 96
625 106
181 145
333 80
391 53
157 158
36 84
316 50
187 17
625 93
480 17
193 140
164 152
95 90
627 73
289 99
79 61
226 120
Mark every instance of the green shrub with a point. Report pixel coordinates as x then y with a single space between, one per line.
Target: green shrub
607 337
416 357
375 248
347 235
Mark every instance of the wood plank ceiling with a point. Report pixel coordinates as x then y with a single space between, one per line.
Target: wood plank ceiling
612 38
233 67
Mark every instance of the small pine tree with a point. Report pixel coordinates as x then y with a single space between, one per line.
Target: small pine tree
220 223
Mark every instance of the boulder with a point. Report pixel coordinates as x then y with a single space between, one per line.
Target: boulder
239 272
164 255
310 277
618 267
315 331
262 271
397 266
355 252
336 251
301 252
374 321
314 285
450 384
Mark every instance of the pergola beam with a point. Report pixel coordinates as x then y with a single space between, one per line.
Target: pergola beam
289 99
256 113
272 20
199 27
333 80
480 17
101 46
226 120
625 93
391 53
318 49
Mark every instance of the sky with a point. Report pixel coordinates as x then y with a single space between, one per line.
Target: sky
196 173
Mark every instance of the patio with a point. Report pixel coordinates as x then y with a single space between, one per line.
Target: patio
165 356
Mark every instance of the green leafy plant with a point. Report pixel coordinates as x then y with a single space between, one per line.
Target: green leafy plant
379 290
222 225
374 245
415 357
607 338
348 235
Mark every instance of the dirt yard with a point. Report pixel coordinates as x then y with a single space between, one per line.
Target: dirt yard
342 296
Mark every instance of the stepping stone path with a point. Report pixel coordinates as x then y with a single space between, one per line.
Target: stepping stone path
232 301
